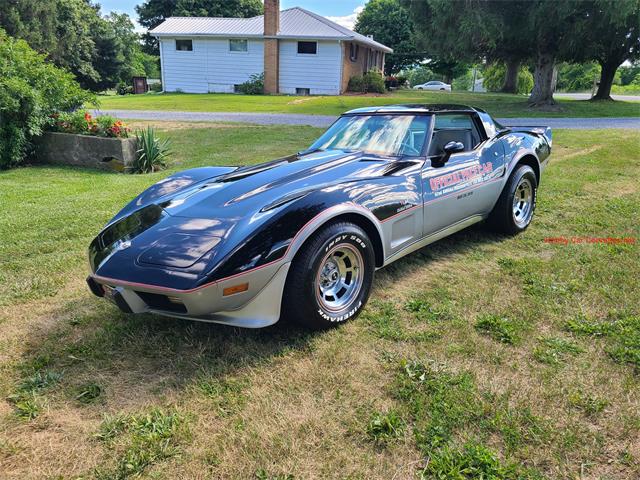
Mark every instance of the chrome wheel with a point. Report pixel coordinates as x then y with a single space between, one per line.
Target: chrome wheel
523 203
339 277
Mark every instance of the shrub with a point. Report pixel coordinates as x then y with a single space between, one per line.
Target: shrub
253 86
31 91
494 78
124 89
370 82
155 87
151 152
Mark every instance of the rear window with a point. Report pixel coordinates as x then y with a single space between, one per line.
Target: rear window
453 121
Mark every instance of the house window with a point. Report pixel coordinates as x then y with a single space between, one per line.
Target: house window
353 51
303 91
184 45
238 46
307 48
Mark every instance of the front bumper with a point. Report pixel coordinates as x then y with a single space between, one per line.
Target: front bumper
258 306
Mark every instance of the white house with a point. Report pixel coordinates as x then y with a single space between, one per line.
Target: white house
298 51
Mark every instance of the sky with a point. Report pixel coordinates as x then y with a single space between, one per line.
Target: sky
343 12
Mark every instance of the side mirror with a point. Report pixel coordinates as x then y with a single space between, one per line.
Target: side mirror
449 149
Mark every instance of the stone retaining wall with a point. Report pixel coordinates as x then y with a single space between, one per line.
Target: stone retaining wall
115 154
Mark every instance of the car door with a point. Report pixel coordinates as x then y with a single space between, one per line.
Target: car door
467 185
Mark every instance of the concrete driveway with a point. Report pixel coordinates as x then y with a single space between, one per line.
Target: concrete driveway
325 121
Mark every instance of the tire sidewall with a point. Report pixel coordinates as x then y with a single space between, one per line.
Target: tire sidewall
340 234
520 173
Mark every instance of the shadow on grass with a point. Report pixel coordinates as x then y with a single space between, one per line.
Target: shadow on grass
142 355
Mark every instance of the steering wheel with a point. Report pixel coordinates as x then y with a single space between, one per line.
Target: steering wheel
407 149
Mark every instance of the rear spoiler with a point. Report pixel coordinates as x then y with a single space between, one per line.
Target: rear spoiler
545 132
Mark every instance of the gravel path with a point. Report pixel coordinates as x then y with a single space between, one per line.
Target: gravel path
325 120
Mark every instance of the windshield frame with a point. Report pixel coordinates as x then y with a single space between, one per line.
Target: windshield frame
425 144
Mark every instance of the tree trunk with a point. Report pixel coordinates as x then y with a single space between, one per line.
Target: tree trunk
607 73
510 84
543 81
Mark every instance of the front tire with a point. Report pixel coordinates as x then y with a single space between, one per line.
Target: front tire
330 278
517 203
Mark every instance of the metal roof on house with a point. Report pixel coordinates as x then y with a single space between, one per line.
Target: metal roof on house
294 23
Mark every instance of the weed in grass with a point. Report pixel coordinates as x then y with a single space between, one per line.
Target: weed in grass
88 393
499 328
40 380
439 401
385 427
554 350
621 330
382 318
425 311
141 441
446 406
589 404
473 461
228 394
27 405
385 323
27 400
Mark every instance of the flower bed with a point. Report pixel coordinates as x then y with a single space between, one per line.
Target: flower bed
83 123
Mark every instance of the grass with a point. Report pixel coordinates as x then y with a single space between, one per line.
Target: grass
410 389
499 105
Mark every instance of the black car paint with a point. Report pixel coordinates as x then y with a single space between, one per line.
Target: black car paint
250 215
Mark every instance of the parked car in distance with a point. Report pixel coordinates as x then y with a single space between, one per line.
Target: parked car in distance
301 236
433 85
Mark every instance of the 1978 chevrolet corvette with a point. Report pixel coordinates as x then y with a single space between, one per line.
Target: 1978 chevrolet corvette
300 237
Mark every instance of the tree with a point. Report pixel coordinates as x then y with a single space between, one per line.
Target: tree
152 13
390 24
613 36
61 29
100 52
446 33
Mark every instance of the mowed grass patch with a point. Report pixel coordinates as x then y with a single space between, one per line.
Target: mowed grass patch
500 105
412 388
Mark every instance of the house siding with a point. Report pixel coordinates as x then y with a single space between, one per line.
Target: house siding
210 67
184 71
320 73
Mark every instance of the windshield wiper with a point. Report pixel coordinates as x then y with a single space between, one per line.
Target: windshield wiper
309 151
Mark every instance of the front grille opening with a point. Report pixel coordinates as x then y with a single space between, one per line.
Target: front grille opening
162 302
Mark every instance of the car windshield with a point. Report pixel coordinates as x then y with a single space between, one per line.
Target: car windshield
390 135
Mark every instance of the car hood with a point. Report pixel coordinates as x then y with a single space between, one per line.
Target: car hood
255 189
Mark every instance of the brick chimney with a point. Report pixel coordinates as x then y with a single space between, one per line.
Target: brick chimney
271 46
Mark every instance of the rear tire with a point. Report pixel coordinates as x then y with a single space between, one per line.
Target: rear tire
517 203
330 277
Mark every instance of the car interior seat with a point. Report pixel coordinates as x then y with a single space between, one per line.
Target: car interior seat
442 137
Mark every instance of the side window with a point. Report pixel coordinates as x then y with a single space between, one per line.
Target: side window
238 45
353 51
413 142
307 48
454 127
183 45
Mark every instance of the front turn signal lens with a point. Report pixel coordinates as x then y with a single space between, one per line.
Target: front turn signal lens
241 287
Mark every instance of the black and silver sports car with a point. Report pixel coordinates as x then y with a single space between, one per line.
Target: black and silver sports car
300 237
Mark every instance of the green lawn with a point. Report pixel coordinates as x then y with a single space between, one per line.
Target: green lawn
499 105
501 357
